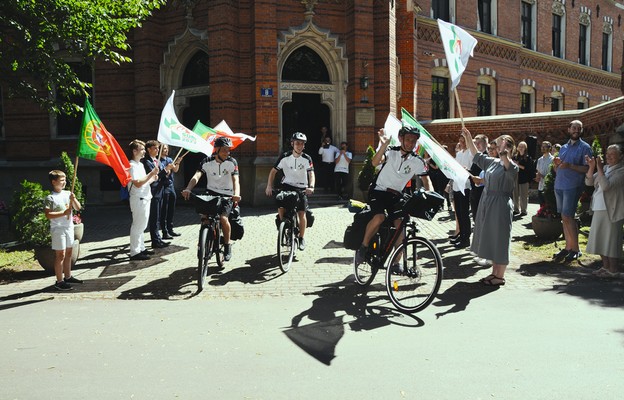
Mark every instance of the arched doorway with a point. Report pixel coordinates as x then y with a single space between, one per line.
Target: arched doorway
305 113
312 85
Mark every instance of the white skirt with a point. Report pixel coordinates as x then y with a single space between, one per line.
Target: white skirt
605 237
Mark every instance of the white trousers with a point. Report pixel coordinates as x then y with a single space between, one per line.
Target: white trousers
140 216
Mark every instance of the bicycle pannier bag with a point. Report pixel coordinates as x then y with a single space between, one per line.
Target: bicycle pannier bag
354 234
287 199
309 218
207 204
236 223
424 204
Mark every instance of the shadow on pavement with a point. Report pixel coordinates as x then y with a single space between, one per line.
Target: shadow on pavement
257 270
336 305
459 296
89 285
180 284
599 291
22 303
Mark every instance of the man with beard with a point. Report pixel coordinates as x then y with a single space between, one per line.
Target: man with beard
570 168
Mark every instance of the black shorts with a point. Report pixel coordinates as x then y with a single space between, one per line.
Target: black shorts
226 203
382 201
302 201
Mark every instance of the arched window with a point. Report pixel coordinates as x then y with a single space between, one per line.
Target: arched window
486 95
304 65
197 71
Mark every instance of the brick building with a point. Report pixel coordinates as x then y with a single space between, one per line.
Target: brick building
274 67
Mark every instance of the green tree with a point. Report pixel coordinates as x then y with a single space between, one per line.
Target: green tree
367 174
37 38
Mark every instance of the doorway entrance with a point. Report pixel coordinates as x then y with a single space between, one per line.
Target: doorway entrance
305 113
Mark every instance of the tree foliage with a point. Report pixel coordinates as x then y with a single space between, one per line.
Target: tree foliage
39 38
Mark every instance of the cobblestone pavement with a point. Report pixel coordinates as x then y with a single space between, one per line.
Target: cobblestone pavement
253 270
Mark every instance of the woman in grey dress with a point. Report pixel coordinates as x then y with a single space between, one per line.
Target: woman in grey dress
492 232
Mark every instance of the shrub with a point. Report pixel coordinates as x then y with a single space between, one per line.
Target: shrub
29 222
367 174
67 166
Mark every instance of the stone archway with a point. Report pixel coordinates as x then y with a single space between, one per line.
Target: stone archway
332 94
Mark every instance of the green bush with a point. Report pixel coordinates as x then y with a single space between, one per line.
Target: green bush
367 174
29 222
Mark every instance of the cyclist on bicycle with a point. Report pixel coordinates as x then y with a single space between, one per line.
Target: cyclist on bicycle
221 172
398 165
298 175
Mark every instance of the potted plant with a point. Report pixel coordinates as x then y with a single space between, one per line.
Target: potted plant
31 226
367 174
546 222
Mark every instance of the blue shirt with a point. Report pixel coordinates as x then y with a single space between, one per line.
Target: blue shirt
572 153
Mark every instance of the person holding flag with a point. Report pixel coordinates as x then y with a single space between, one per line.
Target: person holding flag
140 200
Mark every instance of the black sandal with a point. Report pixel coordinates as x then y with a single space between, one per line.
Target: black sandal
489 282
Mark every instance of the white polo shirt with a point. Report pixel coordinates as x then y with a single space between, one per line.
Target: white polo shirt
397 169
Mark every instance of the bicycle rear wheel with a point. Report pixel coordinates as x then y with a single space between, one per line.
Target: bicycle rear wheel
285 245
417 283
202 259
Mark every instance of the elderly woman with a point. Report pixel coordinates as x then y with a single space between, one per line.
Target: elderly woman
492 234
605 234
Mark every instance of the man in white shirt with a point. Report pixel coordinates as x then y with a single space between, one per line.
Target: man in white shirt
328 152
543 167
341 170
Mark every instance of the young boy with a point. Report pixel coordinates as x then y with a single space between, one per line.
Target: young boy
58 209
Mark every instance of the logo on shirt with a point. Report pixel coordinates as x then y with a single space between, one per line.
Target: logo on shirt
407 169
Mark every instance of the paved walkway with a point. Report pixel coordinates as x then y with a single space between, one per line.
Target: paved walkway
253 270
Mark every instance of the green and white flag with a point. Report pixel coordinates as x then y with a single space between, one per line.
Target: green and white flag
458 47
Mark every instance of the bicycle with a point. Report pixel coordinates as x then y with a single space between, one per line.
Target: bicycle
413 268
288 229
210 240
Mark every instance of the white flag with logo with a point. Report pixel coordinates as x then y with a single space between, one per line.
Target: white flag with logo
458 47
173 133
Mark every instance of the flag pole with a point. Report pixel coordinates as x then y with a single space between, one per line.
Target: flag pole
74 180
178 155
461 115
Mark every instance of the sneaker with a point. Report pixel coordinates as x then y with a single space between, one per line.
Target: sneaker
561 255
396 268
571 256
301 243
360 255
148 252
462 244
227 254
62 285
71 279
172 233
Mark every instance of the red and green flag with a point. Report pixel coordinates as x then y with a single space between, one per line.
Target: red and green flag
96 143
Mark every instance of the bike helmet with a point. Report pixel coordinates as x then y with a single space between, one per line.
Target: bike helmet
408 130
299 136
222 142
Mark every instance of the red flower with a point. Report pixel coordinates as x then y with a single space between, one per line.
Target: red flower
76 218
545 211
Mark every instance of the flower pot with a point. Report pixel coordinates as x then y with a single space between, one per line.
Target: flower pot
45 256
546 228
78 231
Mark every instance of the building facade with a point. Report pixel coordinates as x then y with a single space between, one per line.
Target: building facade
274 67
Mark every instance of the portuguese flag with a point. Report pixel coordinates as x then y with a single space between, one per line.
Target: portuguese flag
96 143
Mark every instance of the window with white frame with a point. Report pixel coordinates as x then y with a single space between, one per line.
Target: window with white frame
486 95
558 29
443 9
607 44
527 24
527 99
486 16
584 38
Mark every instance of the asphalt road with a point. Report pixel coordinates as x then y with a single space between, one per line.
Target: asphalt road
141 330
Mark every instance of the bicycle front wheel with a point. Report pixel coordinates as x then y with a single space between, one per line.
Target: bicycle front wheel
414 275
364 272
202 258
218 245
285 245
